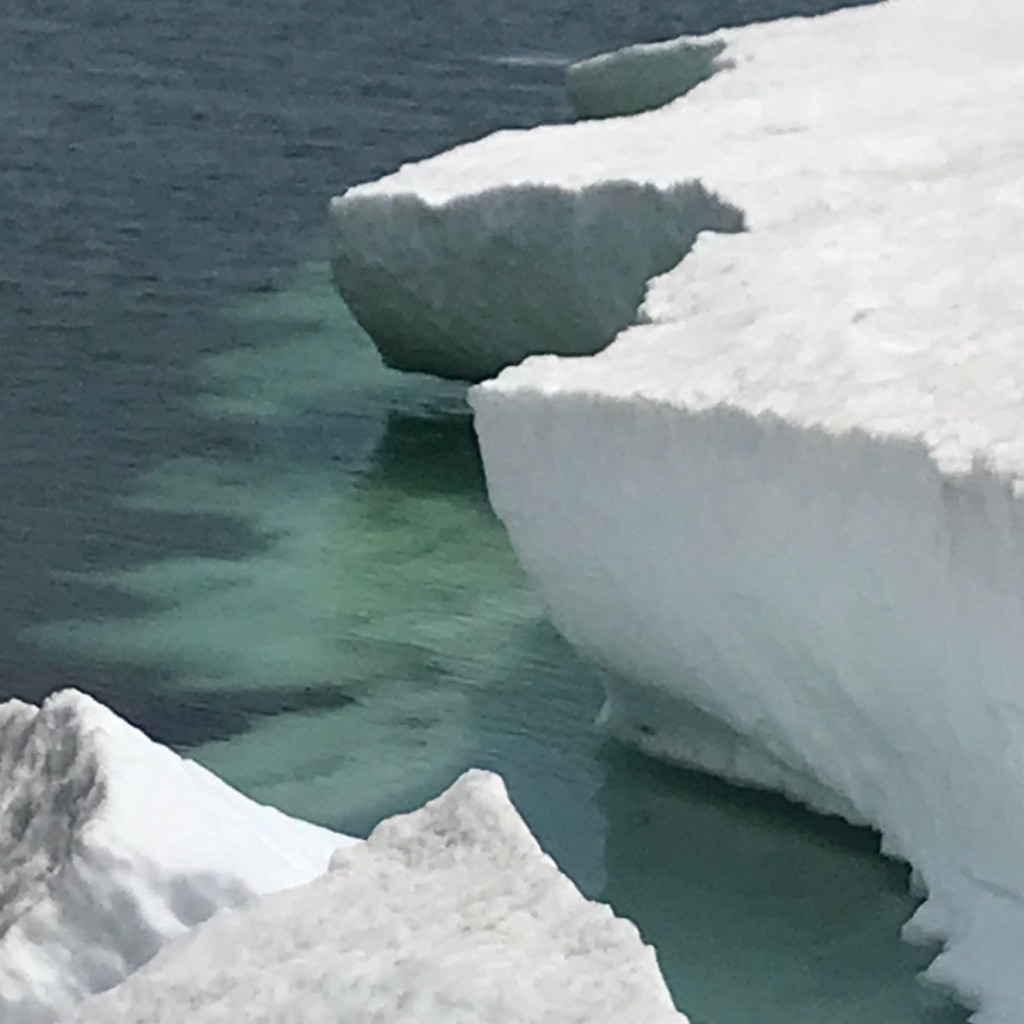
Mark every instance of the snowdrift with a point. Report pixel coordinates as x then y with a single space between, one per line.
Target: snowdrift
449 914
111 844
785 511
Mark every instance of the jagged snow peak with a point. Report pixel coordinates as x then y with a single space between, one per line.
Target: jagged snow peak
784 511
450 914
111 844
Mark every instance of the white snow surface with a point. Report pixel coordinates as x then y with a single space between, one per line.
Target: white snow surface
449 915
542 240
111 844
784 511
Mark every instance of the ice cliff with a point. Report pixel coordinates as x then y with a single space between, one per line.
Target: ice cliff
451 914
110 845
783 509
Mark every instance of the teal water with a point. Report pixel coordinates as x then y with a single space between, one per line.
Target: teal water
224 518
381 623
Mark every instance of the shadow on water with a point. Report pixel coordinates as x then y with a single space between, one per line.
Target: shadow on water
429 454
763 911
377 637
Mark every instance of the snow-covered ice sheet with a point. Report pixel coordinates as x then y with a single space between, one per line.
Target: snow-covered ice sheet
542 240
462 285
111 844
449 915
784 510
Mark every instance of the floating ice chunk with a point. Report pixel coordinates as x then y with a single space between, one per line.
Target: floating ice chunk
450 914
111 844
643 77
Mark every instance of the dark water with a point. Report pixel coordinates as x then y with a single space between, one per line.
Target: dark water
222 516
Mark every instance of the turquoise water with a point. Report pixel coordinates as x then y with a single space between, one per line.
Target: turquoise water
224 518
384 639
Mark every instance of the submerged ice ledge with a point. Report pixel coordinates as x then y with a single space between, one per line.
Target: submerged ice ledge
784 508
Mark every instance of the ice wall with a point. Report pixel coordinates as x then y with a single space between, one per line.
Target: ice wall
784 511
111 844
783 508
451 914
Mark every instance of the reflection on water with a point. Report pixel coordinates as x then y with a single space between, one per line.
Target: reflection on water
376 637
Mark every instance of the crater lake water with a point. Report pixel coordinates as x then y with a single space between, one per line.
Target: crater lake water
222 516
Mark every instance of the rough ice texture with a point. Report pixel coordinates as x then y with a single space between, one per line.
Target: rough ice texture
111 844
460 286
643 77
784 510
449 915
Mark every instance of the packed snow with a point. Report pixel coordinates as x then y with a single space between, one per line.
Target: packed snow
110 845
784 511
451 914
460 285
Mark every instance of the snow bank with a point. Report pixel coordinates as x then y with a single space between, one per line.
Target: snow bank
643 77
785 511
111 844
450 914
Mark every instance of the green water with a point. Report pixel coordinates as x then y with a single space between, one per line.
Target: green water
377 637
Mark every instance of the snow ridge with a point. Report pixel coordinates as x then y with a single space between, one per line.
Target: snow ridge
111 844
450 914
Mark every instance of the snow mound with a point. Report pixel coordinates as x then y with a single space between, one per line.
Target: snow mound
460 287
111 844
449 914
785 510
643 77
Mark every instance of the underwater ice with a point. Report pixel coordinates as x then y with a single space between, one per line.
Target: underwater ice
450 914
783 509
110 845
